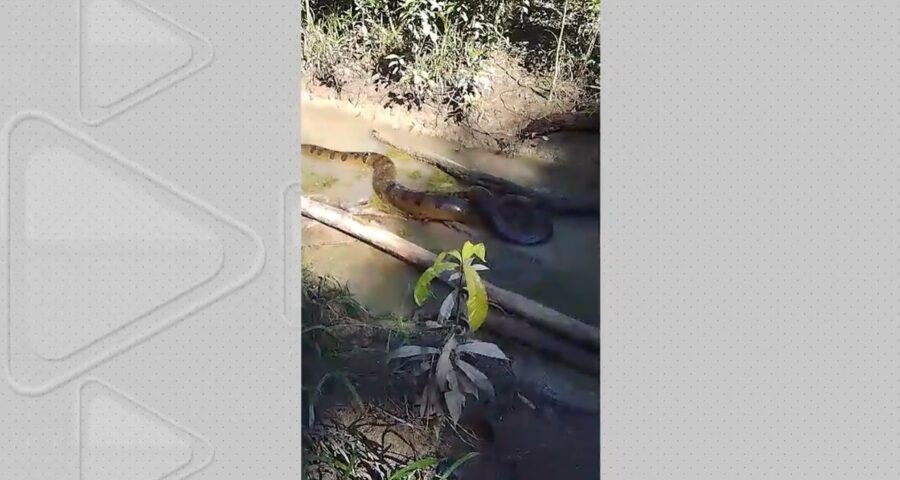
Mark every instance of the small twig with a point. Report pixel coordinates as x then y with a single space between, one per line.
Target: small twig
396 418
519 83
559 43
459 430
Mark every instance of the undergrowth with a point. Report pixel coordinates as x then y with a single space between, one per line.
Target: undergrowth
440 51
369 441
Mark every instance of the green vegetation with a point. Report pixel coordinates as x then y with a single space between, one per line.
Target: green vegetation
442 51
439 181
356 446
461 266
450 377
378 204
314 182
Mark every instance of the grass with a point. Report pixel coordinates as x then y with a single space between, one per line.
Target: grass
336 447
440 52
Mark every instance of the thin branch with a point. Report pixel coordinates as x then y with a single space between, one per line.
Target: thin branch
559 43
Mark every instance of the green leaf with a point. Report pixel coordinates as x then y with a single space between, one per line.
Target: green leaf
465 458
476 303
440 258
467 250
416 466
423 285
479 251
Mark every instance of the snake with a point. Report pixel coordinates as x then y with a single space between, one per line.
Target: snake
513 218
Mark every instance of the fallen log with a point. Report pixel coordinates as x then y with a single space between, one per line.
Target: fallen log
525 333
555 202
529 310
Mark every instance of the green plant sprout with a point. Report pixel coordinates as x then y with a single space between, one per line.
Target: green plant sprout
463 276
451 378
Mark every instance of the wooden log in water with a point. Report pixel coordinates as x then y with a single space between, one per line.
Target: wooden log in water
533 312
527 334
554 201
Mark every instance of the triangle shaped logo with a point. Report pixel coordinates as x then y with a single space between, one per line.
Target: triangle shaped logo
122 254
128 53
120 438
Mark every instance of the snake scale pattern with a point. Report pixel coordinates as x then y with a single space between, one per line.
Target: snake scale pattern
512 218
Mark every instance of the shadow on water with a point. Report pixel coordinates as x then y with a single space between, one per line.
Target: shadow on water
541 443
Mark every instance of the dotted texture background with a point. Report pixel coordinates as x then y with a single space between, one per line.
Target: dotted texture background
750 290
219 389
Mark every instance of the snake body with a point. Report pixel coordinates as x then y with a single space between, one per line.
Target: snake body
513 218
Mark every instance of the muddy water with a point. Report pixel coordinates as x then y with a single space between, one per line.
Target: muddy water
562 274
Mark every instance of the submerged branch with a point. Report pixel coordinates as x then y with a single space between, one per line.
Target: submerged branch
556 202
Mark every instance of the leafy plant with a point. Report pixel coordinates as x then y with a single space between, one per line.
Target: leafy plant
450 377
463 275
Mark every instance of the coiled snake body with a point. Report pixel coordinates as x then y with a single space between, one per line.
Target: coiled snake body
513 218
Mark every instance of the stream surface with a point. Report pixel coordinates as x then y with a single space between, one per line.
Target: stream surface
562 274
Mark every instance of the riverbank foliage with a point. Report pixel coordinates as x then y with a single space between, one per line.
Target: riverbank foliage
443 51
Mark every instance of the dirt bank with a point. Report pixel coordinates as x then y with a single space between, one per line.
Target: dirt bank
512 99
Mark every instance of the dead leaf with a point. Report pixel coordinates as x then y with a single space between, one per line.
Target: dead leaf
452 380
428 400
455 402
443 364
434 400
476 376
422 368
485 349
408 351
447 307
466 386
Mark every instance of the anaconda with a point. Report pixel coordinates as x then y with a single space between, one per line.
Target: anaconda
513 218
